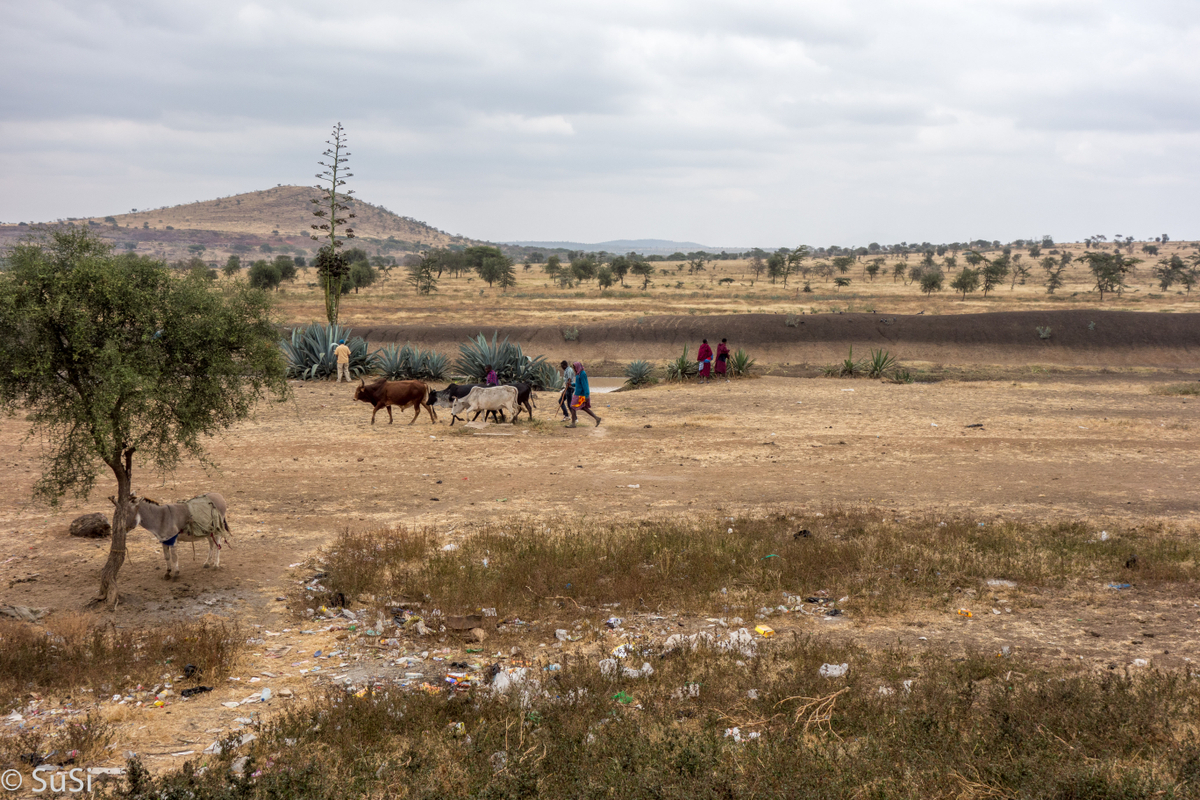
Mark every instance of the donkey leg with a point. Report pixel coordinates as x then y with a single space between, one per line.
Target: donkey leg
214 554
167 558
175 561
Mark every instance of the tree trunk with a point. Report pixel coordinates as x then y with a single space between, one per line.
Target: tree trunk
122 522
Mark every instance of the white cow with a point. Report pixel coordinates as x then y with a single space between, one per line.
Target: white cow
171 522
487 398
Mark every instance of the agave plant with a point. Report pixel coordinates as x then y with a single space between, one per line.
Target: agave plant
849 367
682 368
879 364
548 377
434 366
409 363
508 359
740 363
309 352
639 373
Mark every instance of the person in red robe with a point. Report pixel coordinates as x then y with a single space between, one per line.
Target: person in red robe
705 355
722 364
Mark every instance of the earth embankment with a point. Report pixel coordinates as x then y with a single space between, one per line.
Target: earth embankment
1060 338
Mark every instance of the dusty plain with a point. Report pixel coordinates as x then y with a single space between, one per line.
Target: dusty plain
1049 431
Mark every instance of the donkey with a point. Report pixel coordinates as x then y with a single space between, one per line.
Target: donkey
172 522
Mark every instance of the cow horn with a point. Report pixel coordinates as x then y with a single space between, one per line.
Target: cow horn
112 499
362 382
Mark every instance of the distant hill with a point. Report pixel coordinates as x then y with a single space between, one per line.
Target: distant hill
282 211
644 246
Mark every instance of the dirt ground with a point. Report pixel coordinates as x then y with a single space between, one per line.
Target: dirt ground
1082 446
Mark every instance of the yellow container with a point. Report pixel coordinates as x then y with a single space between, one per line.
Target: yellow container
765 631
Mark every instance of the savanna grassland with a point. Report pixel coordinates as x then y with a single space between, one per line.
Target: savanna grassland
1002 554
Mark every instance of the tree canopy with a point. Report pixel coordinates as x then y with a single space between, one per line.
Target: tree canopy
111 355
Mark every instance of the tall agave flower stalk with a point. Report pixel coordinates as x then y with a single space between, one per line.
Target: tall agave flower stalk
331 265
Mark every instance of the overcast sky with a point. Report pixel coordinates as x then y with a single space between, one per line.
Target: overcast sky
726 123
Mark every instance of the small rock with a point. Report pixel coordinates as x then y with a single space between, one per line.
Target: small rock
478 634
91 526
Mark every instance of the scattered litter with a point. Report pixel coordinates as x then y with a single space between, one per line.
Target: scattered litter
833 670
964 612
623 698
231 705
847 390
1000 582
1104 536
687 690
644 671
449 547
976 425
933 424
1140 662
736 733
996 611
195 691
634 486
613 622
765 631
1119 586
764 558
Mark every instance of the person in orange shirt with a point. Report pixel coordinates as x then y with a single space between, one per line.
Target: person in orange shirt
343 360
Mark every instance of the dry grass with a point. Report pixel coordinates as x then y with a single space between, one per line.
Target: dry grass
735 566
897 726
75 655
1177 390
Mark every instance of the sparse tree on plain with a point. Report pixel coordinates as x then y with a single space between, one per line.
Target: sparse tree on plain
233 266
966 282
1109 270
931 282
1054 273
645 270
421 276
114 355
620 267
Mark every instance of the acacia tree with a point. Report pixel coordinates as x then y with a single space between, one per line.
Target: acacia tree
110 356
644 269
966 281
332 267
1109 270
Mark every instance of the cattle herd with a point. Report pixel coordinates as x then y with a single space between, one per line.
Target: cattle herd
501 402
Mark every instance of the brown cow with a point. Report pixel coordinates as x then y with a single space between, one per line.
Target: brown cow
402 394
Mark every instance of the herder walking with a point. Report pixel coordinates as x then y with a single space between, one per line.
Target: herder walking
343 360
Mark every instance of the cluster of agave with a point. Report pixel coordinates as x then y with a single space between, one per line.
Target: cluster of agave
684 367
309 352
409 363
477 355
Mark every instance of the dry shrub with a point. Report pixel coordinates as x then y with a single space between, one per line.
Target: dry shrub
884 564
980 726
75 654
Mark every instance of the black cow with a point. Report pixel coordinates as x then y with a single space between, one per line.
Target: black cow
456 392
524 395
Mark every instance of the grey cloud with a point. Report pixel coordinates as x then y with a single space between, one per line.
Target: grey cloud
502 117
